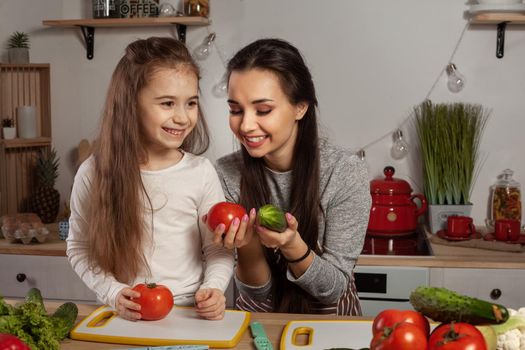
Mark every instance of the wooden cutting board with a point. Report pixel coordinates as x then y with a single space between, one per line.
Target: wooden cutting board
326 334
181 326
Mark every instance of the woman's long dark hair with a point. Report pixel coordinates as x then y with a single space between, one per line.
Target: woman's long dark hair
284 60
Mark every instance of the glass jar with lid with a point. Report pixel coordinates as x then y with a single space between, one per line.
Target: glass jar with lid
197 8
505 199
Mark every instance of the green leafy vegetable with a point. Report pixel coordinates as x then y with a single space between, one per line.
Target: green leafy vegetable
30 322
272 218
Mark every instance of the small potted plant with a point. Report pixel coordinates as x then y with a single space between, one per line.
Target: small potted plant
18 48
8 127
449 138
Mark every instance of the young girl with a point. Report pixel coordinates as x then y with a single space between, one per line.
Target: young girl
136 201
325 190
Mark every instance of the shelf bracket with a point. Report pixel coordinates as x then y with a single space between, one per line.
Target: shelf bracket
89 37
500 39
181 32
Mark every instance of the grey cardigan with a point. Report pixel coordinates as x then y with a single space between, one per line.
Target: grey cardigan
345 200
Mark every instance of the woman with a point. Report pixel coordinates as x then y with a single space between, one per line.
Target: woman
323 189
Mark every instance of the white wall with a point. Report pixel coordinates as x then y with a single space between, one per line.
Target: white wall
372 61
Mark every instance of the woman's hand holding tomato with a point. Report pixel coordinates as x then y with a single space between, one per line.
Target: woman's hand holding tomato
231 226
456 336
155 300
401 336
210 303
224 213
388 318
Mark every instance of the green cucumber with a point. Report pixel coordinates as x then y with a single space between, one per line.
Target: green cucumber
444 305
272 218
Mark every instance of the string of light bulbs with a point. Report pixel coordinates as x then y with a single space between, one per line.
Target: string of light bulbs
455 83
400 148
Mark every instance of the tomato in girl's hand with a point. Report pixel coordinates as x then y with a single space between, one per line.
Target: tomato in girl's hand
456 336
401 336
224 213
11 342
155 301
388 318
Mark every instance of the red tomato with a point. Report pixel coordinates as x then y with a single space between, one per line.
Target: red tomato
402 336
10 342
155 300
224 213
388 318
456 336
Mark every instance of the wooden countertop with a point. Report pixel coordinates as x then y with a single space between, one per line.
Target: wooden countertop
444 256
273 325
53 246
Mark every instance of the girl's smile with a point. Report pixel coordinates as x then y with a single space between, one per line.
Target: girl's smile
169 110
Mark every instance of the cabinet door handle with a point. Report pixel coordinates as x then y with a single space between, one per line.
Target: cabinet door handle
21 277
495 293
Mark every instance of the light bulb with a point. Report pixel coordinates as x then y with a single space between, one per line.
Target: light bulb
220 89
456 80
202 51
399 148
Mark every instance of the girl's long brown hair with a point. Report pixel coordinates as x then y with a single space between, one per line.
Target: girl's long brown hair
286 62
117 210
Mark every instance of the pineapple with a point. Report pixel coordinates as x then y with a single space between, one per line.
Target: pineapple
45 201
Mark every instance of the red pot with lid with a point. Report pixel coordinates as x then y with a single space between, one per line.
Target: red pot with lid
394 209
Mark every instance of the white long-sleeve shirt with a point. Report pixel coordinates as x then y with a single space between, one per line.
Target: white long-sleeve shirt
180 253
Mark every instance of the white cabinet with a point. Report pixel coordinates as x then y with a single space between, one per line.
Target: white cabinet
53 275
502 286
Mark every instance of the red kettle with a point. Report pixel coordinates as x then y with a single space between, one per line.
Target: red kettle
394 211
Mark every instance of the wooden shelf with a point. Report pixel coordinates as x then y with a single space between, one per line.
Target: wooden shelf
21 143
88 26
22 66
128 22
501 19
497 17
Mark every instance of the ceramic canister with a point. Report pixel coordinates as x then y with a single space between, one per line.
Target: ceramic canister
27 126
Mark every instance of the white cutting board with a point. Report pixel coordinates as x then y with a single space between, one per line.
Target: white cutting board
181 326
325 334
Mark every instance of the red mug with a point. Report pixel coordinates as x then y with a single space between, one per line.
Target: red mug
460 226
507 230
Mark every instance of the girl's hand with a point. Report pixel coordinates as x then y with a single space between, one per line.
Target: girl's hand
284 240
210 303
126 308
239 234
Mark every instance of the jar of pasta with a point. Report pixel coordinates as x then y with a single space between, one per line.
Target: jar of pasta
505 198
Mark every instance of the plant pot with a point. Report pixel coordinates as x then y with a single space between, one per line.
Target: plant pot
9 133
18 55
438 215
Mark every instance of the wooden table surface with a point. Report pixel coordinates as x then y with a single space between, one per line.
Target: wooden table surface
273 324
